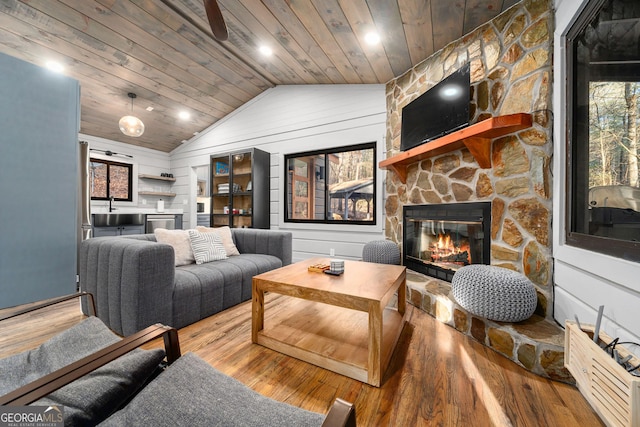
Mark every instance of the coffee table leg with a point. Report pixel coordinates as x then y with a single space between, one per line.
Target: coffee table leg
374 367
402 297
257 311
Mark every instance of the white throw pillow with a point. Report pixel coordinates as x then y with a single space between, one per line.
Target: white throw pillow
179 239
225 234
206 246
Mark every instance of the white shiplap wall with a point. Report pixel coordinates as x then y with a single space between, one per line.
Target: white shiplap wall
144 161
291 119
585 280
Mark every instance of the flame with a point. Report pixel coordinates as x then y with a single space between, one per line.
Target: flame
444 243
444 247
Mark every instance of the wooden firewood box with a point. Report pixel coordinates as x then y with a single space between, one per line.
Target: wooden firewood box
612 391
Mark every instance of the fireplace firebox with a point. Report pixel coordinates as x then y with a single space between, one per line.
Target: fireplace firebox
439 239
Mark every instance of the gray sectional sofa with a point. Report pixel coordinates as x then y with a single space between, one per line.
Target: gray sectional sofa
135 281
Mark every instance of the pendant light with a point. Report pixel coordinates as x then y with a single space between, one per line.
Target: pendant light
131 125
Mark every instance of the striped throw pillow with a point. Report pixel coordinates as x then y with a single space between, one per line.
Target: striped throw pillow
206 246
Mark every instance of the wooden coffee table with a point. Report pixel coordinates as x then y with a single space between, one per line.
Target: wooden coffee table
341 323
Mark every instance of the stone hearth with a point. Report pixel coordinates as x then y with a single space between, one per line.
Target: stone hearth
536 344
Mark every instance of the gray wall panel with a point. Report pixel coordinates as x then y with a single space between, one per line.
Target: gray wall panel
38 182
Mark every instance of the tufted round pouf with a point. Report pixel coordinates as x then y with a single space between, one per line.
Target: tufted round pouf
494 293
382 252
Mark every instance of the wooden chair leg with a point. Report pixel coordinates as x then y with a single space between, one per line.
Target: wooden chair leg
341 414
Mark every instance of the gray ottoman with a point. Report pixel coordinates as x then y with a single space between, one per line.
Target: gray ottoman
382 252
494 293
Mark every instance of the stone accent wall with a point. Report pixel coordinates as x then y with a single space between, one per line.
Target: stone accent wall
510 60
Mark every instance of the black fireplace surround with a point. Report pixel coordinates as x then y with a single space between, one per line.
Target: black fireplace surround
438 239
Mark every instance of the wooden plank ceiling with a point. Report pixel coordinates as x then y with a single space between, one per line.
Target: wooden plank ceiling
164 51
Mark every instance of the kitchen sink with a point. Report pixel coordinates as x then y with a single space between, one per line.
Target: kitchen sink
116 219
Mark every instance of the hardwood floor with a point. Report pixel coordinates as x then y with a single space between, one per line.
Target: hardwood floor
30 330
437 376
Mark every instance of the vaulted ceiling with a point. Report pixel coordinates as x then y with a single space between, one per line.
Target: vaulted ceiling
164 51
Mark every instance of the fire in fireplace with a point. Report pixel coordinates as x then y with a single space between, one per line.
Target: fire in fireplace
439 239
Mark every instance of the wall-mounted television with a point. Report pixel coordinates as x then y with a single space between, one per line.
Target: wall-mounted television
441 110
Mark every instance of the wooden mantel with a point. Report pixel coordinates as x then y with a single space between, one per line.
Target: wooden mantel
477 138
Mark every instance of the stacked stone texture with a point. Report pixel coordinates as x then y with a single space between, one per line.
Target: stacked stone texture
535 344
510 60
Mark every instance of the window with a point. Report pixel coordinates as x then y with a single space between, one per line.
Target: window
604 186
110 179
332 186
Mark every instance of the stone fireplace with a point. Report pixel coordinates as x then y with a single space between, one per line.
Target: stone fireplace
510 67
440 238
510 60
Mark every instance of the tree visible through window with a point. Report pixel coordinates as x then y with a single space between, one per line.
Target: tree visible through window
604 184
110 179
336 185
613 135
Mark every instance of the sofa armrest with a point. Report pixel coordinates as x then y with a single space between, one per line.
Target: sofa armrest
131 280
268 242
49 383
11 312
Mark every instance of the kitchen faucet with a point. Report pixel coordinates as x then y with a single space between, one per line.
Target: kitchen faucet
111 209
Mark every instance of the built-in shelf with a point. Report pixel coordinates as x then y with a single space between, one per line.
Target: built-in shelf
157 193
159 178
476 138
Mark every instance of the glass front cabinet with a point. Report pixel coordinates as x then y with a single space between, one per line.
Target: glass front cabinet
240 189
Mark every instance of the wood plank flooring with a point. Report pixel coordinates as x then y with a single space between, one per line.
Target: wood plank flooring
30 330
437 376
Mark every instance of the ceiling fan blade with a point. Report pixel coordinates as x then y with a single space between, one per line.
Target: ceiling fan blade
216 20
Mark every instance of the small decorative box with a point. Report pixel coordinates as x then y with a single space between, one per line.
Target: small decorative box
337 266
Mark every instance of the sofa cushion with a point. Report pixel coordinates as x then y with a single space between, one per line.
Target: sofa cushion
92 398
179 240
225 234
206 247
205 289
192 393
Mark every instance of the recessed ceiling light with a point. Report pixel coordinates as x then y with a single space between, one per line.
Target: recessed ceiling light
372 38
55 66
266 50
184 115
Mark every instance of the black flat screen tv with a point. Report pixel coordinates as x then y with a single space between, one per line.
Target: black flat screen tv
441 110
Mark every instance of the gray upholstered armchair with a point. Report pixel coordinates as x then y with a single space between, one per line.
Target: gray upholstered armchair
106 380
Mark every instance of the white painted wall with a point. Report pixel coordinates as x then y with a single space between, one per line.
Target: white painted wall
585 280
292 119
144 161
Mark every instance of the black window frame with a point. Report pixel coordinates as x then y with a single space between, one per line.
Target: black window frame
356 147
575 152
110 163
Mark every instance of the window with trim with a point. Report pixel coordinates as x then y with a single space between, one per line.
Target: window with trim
603 68
110 179
331 186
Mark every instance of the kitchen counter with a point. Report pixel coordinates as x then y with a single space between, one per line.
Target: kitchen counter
104 209
133 221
